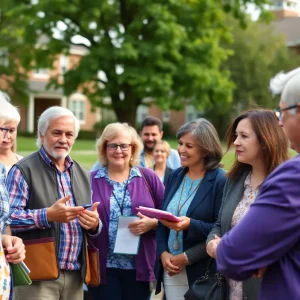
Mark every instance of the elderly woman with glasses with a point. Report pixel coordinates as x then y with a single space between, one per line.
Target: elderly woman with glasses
120 187
11 248
10 118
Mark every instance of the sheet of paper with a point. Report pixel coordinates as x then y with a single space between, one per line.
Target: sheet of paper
126 242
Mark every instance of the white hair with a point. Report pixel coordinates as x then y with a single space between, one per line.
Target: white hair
288 85
8 111
53 113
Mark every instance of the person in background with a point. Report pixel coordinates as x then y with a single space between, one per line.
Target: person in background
260 146
193 193
151 132
47 193
267 238
12 249
161 153
10 118
121 187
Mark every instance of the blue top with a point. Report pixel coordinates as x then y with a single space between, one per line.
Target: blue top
268 236
120 261
183 197
4 201
173 161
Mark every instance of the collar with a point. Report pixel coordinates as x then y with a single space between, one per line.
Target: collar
68 160
103 173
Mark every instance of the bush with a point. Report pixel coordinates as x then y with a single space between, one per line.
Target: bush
87 135
26 134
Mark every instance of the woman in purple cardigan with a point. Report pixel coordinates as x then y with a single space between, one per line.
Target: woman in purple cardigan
121 187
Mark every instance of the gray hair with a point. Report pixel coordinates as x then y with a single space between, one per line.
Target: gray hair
8 111
288 85
207 139
53 113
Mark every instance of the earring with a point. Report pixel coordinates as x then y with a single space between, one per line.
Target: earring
131 158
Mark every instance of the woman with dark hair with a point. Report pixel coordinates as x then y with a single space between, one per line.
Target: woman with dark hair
260 146
194 194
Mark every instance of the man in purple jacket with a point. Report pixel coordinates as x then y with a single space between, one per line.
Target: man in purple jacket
268 237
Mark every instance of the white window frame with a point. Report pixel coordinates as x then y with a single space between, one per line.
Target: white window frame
166 116
63 64
78 111
41 73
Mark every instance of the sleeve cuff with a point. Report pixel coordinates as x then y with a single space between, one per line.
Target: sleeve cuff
97 232
40 218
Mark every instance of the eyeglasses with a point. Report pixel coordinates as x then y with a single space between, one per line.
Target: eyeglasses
279 112
4 131
114 147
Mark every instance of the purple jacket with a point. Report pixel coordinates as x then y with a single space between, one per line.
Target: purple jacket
268 236
140 196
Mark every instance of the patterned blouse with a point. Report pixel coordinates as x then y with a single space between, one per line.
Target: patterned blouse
183 197
5 281
120 261
236 287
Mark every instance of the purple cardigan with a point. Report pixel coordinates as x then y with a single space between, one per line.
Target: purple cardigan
140 195
268 236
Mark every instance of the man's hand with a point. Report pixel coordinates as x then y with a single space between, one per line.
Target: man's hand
14 248
60 212
177 226
167 262
211 247
89 219
143 225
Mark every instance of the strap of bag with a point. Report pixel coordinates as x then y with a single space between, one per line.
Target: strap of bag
147 183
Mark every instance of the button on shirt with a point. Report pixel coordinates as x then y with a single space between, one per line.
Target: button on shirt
25 219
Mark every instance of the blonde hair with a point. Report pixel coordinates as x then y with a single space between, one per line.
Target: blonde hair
8 111
110 132
166 145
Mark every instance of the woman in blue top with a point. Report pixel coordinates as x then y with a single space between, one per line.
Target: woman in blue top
193 193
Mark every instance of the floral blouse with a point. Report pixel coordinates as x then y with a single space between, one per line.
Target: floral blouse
5 281
236 287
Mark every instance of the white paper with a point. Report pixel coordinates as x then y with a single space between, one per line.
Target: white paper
126 242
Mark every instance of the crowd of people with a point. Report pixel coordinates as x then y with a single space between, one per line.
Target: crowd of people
245 220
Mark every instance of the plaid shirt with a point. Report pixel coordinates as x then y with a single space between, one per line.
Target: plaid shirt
25 219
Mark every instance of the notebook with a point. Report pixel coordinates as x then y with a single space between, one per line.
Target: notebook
158 214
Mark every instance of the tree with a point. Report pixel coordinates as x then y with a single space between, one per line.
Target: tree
169 51
258 54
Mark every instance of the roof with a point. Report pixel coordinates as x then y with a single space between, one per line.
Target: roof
290 27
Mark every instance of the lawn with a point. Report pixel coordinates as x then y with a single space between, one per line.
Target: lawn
84 151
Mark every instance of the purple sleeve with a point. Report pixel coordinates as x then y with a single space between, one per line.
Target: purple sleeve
269 230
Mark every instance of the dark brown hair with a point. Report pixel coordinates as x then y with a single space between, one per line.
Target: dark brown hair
152 121
273 141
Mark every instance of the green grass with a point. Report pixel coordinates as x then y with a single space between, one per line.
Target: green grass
84 151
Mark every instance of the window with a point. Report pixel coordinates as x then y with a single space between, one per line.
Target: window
4 58
166 116
142 113
64 62
42 72
78 108
190 113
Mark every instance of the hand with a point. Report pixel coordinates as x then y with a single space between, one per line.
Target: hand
260 273
89 219
60 212
166 260
180 261
211 247
143 225
14 248
177 226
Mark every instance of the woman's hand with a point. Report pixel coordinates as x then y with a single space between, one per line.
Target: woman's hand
14 248
260 273
180 261
177 226
143 225
211 247
167 262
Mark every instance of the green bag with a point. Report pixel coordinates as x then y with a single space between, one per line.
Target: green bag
19 275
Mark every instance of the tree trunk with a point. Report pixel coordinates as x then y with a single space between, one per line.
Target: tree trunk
127 114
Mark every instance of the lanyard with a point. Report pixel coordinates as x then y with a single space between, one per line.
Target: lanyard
121 206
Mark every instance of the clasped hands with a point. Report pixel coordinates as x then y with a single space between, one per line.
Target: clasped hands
173 264
60 212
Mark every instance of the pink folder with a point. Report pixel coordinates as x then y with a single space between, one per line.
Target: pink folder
158 214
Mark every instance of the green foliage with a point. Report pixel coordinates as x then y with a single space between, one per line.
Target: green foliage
87 135
167 50
259 54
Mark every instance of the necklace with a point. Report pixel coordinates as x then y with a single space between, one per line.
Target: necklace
176 243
